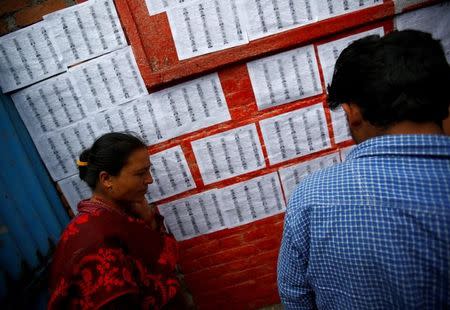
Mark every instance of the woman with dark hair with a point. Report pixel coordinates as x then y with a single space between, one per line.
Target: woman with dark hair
115 254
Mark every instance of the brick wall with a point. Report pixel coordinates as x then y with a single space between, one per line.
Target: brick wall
234 269
16 14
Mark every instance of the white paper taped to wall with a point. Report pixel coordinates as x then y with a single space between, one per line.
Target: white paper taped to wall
330 8
434 19
252 200
201 27
228 154
285 77
339 122
74 190
158 6
118 119
328 54
169 113
400 5
109 80
87 30
27 56
295 134
267 17
50 105
190 106
170 173
291 176
195 215
60 149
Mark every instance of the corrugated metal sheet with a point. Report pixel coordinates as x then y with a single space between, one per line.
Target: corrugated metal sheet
31 214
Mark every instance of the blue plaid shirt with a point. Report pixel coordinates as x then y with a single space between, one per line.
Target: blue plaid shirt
372 232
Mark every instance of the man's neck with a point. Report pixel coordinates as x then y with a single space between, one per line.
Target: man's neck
412 128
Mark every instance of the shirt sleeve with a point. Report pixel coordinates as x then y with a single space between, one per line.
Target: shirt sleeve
294 290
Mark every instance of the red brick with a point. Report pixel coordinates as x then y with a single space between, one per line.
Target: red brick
199 250
189 266
268 244
232 241
11 6
265 258
228 255
34 13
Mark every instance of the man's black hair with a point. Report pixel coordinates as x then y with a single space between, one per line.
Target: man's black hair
403 76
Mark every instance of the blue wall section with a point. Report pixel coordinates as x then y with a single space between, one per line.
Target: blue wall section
31 214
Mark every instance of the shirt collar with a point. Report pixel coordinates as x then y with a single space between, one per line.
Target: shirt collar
425 145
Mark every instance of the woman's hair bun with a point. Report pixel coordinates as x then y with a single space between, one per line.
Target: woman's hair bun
84 158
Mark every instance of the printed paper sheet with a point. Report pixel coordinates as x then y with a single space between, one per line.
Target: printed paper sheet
188 107
201 27
74 190
295 134
291 176
50 105
285 77
340 125
158 6
228 154
330 8
329 52
267 17
27 56
109 80
252 200
400 5
434 19
193 216
171 174
87 30
60 149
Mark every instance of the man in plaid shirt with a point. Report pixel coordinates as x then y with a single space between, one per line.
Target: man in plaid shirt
374 231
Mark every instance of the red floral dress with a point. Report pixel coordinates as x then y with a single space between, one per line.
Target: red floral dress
105 256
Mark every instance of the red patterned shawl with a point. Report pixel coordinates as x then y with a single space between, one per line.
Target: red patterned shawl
104 255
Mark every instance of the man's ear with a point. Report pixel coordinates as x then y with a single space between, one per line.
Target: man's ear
354 115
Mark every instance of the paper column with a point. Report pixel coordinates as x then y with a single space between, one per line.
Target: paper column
87 30
295 134
158 6
189 106
28 56
109 80
434 20
328 54
171 174
201 27
60 149
74 190
252 200
292 175
267 17
285 77
330 8
228 154
193 216
50 105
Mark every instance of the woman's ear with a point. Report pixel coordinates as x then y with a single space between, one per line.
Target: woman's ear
105 180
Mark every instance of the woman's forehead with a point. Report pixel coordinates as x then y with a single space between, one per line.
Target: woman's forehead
139 158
